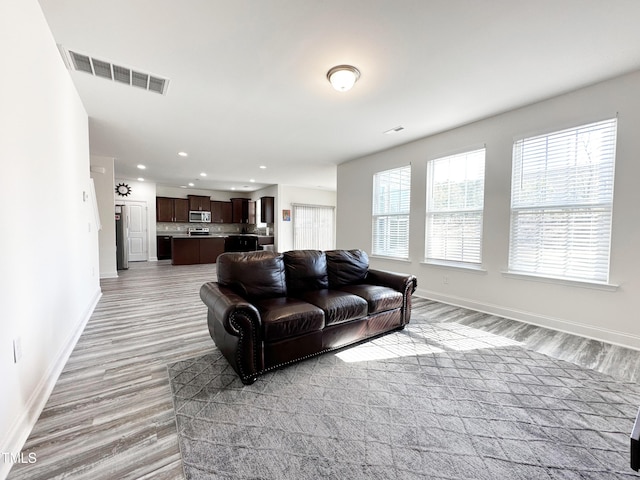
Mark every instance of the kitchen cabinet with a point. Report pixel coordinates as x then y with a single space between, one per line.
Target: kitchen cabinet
199 203
221 212
243 210
164 247
266 209
194 250
172 209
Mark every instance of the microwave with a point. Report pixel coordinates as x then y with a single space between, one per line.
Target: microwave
199 217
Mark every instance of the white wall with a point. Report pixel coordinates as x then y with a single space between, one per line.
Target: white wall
49 283
609 315
143 192
287 196
102 172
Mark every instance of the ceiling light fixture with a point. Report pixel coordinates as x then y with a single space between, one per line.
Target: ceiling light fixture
140 179
191 184
203 174
183 154
141 167
343 77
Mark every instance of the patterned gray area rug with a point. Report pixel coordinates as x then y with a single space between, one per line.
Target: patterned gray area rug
435 401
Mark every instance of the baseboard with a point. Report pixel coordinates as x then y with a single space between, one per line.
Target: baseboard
588 331
19 433
113 274
153 259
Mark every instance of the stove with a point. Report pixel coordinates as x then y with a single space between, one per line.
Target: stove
194 231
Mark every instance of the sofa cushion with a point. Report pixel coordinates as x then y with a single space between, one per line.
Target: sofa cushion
379 299
254 275
305 270
346 267
285 317
338 307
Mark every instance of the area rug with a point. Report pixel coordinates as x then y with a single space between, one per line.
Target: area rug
434 401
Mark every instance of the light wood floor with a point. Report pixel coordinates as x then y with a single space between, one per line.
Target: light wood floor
110 415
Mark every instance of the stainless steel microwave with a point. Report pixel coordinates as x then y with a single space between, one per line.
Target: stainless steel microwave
200 217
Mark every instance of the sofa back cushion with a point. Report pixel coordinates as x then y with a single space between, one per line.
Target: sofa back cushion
305 270
346 267
254 275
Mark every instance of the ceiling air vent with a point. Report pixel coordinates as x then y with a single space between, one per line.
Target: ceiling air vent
117 73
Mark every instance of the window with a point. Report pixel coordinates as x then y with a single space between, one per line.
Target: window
561 203
455 200
391 205
313 227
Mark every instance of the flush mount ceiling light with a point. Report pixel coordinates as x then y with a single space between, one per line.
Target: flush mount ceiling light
343 77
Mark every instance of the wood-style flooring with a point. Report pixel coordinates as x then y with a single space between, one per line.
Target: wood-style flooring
110 415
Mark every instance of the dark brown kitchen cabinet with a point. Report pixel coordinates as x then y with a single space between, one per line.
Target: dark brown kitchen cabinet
172 209
243 210
199 203
266 209
221 212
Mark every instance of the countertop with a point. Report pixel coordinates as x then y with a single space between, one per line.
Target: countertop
211 235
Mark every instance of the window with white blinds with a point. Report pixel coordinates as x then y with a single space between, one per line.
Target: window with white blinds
562 202
391 205
313 227
455 202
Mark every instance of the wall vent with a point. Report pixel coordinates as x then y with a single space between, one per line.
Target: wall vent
117 73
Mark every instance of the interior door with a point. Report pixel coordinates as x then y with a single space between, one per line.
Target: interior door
138 251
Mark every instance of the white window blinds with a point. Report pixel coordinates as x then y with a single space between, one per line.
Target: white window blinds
561 203
391 205
455 201
313 227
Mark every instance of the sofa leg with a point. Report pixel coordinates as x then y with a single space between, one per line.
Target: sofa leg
249 380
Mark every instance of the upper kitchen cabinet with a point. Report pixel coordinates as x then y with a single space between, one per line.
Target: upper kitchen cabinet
243 210
266 209
221 212
172 209
199 203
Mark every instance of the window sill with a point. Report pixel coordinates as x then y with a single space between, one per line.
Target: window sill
395 259
455 265
609 287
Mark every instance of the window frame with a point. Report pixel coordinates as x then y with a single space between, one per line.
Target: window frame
389 220
431 212
596 210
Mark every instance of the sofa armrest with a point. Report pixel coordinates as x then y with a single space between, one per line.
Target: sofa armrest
236 328
398 281
404 283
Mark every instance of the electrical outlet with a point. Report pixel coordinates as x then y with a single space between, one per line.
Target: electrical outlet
445 279
17 349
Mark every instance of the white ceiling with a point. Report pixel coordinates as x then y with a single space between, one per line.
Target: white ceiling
247 83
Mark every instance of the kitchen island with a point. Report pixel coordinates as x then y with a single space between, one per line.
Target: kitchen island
194 249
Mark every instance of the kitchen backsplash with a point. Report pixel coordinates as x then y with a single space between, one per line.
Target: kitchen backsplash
170 227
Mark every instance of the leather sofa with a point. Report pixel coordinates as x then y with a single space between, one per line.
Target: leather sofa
271 309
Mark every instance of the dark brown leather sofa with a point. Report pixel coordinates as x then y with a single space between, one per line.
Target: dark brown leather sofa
270 309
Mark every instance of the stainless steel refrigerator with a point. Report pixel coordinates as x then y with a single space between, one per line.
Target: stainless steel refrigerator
122 238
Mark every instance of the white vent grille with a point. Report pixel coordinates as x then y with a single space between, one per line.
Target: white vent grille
117 73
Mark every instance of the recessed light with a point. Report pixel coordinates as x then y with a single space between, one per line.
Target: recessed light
140 179
183 154
191 184
397 129
203 174
233 188
252 180
141 167
263 167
